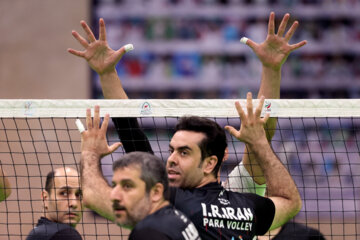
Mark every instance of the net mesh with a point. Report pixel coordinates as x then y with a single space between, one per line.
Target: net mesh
317 140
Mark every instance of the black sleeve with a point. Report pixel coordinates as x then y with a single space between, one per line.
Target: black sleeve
131 135
264 212
148 234
68 234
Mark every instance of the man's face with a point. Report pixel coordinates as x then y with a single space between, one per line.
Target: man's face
184 165
63 204
131 203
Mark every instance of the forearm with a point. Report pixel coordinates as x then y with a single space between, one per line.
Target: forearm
280 186
131 135
270 89
96 190
111 86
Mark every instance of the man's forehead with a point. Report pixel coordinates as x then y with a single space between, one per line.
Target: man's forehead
68 181
127 173
186 138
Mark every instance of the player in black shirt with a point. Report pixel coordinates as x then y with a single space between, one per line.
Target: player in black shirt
62 207
193 166
49 230
139 184
196 157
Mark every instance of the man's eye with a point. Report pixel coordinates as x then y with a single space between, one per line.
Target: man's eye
78 194
65 194
127 186
183 153
171 151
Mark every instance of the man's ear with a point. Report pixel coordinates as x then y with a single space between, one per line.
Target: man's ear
45 198
209 164
157 192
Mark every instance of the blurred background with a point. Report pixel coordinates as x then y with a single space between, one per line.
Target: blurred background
183 48
191 48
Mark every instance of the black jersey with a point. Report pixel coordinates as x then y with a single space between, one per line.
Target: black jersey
48 230
165 224
221 214
293 230
216 212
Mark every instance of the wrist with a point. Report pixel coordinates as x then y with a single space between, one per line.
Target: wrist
108 73
90 156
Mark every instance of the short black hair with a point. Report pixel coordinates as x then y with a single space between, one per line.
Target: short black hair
214 142
49 181
152 168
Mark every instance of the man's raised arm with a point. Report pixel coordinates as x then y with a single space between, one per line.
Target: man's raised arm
281 188
272 53
94 146
103 60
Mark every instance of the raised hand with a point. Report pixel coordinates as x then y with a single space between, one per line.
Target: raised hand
94 138
252 125
97 53
274 51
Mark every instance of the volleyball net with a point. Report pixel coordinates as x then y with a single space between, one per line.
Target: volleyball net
317 140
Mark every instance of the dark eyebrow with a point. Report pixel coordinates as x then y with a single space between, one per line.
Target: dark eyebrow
181 148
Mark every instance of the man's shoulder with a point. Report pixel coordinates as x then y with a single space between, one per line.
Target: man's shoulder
165 216
167 221
47 230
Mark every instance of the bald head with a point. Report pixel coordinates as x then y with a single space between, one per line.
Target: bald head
64 172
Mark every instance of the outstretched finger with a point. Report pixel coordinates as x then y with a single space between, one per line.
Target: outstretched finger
291 31
88 119
102 35
76 53
88 31
266 118
298 45
80 39
283 24
232 131
271 24
96 117
240 111
105 123
249 105
253 45
259 107
114 146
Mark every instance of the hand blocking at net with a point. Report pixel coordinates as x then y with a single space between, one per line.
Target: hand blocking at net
252 125
94 138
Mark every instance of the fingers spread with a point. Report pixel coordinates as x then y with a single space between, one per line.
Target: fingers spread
102 35
271 24
88 31
291 31
259 107
114 146
88 119
232 131
76 53
105 123
298 45
240 111
97 117
249 105
283 24
80 39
